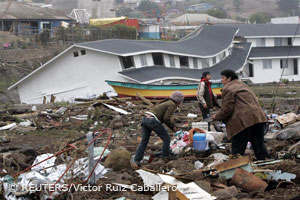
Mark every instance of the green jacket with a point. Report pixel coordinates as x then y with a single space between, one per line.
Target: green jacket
164 112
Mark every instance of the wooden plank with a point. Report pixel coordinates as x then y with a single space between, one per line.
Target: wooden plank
234 163
148 102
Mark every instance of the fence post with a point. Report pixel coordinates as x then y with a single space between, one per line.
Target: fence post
90 137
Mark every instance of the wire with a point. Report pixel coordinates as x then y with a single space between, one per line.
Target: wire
284 67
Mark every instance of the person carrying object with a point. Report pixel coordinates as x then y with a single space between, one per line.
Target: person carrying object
153 121
205 96
244 118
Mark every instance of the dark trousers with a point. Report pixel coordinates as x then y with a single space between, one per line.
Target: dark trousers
149 125
255 135
205 111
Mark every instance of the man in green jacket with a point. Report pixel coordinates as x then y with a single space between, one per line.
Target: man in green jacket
153 120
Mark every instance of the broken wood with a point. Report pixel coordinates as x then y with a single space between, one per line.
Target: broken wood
148 102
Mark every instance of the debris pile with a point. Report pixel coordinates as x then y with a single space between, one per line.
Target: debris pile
90 143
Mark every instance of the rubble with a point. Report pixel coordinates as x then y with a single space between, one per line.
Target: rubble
31 133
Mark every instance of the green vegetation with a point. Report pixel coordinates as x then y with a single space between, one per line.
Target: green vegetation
260 18
218 13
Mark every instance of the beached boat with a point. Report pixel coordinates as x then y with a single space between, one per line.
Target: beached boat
126 89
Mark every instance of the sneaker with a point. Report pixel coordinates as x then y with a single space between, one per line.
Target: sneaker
134 164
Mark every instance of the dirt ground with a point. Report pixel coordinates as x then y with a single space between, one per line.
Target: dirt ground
53 135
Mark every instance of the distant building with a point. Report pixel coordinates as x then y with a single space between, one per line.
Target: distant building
25 19
191 19
199 7
149 29
286 20
97 9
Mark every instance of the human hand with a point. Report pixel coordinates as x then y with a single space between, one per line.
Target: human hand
205 106
213 116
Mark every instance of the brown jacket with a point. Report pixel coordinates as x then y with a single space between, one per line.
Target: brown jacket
164 112
240 108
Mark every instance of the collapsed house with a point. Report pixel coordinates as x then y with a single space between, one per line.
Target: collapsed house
81 70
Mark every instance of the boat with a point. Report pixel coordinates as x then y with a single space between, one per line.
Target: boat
151 91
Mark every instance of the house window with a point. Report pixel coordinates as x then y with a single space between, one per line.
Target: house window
295 66
251 73
172 60
267 64
214 60
75 53
283 64
195 62
260 42
278 42
205 62
158 59
127 62
184 61
83 52
144 60
223 55
290 41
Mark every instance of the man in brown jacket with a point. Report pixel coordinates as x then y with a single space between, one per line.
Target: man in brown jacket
153 120
243 116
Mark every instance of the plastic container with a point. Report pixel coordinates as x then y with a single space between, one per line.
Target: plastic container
199 142
199 136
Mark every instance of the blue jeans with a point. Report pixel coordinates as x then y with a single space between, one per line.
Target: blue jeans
149 125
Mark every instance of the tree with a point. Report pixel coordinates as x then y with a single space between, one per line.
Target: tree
260 18
150 8
218 13
237 4
289 5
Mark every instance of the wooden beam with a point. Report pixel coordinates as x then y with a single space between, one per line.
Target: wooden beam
148 102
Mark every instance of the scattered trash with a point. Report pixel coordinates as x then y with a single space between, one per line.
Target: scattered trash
287 119
200 125
25 124
277 175
290 132
8 127
227 169
248 181
117 109
191 115
218 159
80 117
198 164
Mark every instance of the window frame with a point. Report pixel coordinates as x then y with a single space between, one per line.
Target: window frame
267 64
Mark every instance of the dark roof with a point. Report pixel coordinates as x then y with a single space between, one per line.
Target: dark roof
257 30
210 41
233 62
285 51
18 10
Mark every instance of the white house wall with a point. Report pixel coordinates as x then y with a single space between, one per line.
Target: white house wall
296 42
166 60
69 77
273 75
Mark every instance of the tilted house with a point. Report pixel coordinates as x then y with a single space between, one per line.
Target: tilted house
81 70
